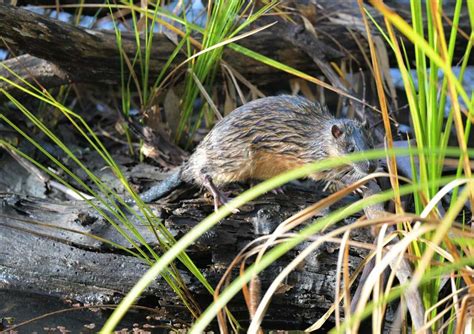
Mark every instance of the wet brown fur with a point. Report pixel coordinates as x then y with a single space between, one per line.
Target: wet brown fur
266 137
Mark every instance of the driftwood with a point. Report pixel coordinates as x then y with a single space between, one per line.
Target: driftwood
82 55
39 251
92 56
42 73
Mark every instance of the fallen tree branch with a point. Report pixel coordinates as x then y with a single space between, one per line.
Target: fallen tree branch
92 56
45 245
41 73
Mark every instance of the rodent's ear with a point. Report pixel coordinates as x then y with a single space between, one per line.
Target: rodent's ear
336 131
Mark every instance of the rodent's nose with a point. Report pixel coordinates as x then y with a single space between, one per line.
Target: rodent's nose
372 166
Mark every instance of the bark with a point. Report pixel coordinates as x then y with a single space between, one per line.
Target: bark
92 56
31 69
56 261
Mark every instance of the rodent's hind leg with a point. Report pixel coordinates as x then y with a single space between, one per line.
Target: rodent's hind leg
219 197
276 191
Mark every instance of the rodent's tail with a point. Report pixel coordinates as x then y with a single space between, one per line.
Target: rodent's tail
164 187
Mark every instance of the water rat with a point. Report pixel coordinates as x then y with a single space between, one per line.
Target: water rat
266 137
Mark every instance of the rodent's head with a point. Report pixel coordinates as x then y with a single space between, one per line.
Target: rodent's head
349 136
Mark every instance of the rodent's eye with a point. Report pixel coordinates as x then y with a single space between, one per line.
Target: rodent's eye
350 149
336 131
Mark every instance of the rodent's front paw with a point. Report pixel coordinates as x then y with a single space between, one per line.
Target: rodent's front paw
334 186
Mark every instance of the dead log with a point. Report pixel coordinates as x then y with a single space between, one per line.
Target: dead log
36 256
92 56
37 71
